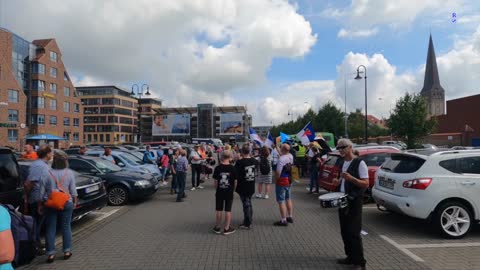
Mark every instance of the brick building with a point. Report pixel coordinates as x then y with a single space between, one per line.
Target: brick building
36 94
146 111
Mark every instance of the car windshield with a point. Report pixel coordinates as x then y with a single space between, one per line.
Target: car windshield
128 159
106 166
138 157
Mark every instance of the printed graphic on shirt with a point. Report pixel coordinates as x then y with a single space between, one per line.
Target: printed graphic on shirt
224 181
250 173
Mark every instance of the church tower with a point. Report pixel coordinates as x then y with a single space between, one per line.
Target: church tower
432 91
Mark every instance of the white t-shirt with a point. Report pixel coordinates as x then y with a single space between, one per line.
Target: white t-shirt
362 172
193 154
310 153
284 159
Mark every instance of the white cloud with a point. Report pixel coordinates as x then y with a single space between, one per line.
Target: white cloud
185 50
350 34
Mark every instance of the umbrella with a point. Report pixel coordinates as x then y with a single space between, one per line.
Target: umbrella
48 137
325 148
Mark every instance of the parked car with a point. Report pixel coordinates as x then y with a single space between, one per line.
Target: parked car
128 162
373 157
122 186
92 195
442 187
11 183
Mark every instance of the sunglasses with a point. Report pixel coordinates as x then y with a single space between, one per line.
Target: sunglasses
342 147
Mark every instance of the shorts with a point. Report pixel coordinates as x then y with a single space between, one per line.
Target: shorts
222 204
282 193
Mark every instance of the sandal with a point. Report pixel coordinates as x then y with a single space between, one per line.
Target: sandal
50 259
67 255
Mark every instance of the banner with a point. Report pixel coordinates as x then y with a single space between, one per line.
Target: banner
231 123
171 124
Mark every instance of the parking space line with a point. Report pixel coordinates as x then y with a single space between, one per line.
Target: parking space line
402 248
105 215
444 245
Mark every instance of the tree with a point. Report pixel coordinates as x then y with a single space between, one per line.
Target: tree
329 119
356 125
410 121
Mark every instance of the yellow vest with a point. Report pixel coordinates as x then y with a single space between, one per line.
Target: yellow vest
301 151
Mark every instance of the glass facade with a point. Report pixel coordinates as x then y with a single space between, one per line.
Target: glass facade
38 68
38 85
22 51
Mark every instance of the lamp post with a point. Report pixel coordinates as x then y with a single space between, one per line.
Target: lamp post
139 93
358 77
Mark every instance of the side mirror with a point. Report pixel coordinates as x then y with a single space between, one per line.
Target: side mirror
120 164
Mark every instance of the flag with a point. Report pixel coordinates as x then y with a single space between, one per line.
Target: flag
254 137
269 141
306 135
284 137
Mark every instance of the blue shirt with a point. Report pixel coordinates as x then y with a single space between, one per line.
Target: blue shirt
148 156
5 225
182 164
66 179
38 175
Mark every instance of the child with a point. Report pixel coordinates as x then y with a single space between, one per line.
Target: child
225 182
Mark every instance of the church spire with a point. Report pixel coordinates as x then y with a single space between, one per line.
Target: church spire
431 79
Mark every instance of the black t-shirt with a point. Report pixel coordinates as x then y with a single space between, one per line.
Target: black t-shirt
246 170
226 176
314 160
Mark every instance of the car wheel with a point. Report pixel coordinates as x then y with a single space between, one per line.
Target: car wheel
453 220
117 195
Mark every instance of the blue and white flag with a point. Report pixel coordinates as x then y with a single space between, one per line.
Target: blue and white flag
254 137
306 135
269 141
284 137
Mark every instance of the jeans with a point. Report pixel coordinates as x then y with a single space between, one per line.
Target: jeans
314 178
39 220
181 179
247 209
282 193
51 230
163 171
196 171
174 182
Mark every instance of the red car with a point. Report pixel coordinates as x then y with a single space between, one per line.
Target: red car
373 157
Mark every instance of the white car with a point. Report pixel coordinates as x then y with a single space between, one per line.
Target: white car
443 187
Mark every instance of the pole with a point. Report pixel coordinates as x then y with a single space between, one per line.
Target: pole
366 111
346 117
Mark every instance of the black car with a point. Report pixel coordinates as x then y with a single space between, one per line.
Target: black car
11 184
91 191
122 186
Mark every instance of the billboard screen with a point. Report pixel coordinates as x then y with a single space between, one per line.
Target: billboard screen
171 124
231 123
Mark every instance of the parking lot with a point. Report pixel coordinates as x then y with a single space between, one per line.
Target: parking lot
159 233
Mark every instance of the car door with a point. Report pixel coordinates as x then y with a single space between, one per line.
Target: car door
468 180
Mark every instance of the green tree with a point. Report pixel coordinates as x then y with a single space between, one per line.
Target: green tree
409 120
356 125
330 118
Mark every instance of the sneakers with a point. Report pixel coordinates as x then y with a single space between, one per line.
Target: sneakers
280 224
266 196
192 189
228 231
217 230
258 196
200 187
289 219
244 227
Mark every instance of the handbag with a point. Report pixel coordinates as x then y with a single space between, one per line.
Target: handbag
58 198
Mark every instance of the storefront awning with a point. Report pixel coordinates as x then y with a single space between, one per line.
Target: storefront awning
48 137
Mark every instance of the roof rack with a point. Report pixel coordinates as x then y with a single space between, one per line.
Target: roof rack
376 147
447 152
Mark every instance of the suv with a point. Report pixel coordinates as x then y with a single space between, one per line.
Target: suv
373 157
11 185
441 187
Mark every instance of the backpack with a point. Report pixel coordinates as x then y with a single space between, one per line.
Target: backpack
287 168
23 231
264 166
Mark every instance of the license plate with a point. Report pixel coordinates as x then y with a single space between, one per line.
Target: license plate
92 189
386 183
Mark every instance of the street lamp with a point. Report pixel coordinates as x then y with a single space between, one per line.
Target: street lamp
139 94
358 77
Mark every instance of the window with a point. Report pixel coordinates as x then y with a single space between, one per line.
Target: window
38 85
66 135
12 116
53 120
65 76
66 121
76 137
53 56
469 165
38 68
66 106
53 72
76 107
38 102
12 135
38 119
107 137
76 122
12 96
101 137
403 164
53 104
375 159
53 88
66 91
80 166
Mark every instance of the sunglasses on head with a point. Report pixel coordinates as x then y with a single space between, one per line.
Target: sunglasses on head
341 147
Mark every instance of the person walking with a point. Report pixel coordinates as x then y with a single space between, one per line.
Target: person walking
225 177
181 168
196 161
7 248
264 178
62 179
163 164
38 176
315 163
173 163
246 168
283 176
353 182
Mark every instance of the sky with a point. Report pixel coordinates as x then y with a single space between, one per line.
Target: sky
277 57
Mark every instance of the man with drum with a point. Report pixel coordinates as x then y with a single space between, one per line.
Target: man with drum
353 182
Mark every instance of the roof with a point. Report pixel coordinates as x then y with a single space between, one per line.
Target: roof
431 80
42 42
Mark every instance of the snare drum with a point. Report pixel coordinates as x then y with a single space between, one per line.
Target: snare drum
333 200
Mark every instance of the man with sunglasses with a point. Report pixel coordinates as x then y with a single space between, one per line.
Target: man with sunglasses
353 182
